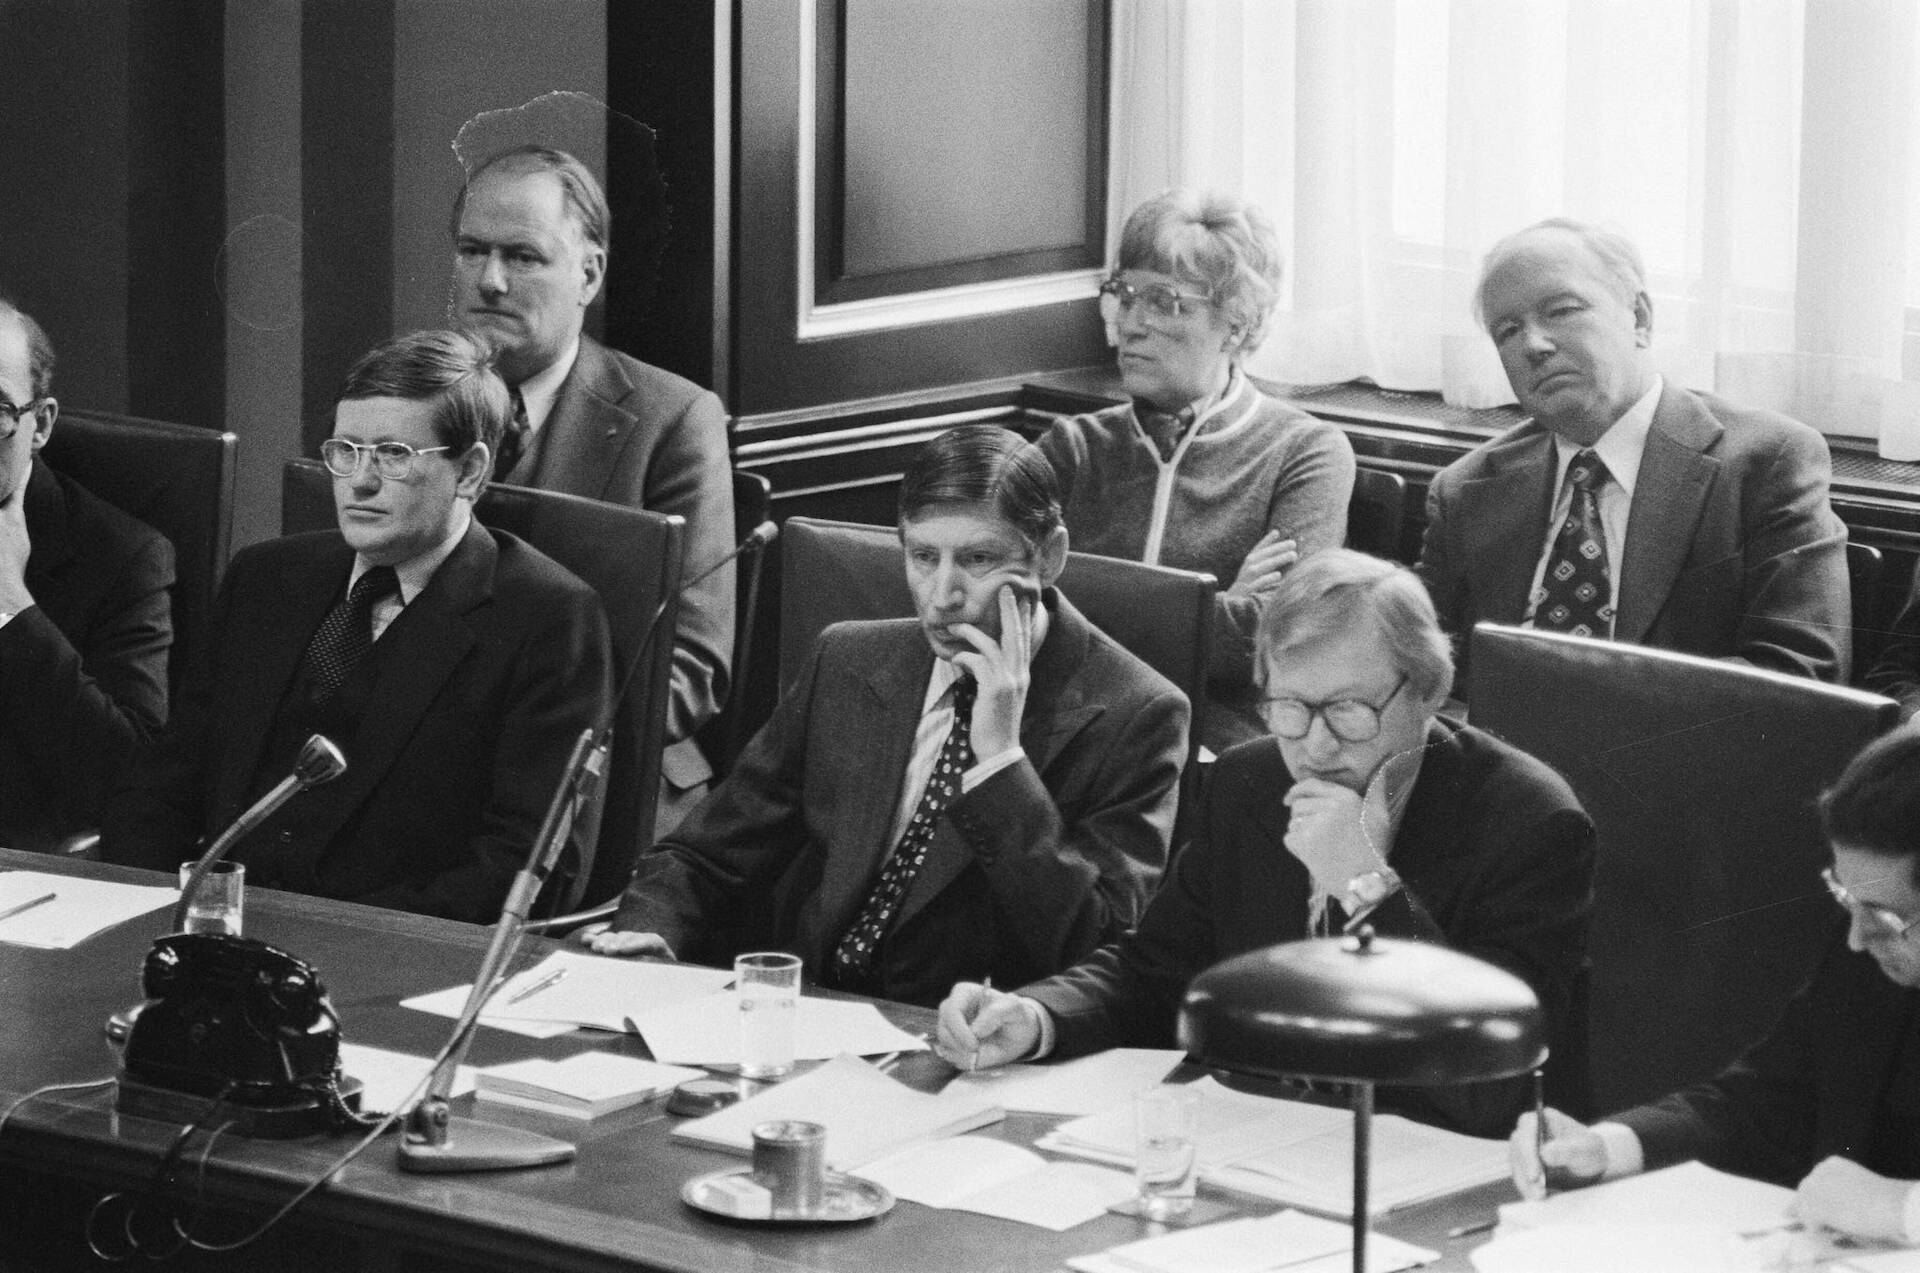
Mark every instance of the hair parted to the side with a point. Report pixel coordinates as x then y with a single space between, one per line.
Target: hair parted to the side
1875 804
1337 592
1216 241
39 348
985 464
450 369
585 200
1617 255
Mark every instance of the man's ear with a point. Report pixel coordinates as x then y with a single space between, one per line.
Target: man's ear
1052 557
1643 319
593 273
475 468
43 418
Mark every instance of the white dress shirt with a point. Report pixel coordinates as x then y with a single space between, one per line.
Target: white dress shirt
414 574
538 391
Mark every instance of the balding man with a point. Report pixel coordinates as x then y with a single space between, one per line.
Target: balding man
85 622
531 236
1624 506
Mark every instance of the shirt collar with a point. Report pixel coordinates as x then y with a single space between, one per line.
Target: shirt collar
416 573
1622 445
540 389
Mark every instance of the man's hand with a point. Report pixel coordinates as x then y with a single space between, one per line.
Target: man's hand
981 1027
15 547
1842 1195
1335 832
1573 1155
602 940
1001 668
1265 566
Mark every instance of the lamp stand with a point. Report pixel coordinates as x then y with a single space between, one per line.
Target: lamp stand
1362 1160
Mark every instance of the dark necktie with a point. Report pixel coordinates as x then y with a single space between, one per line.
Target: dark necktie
1163 428
346 634
1576 593
513 438
853 957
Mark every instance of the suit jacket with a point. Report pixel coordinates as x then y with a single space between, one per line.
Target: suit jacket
1028 872
1896 673
1497 859
628 433
483 683
1732 549
1815 1086
83 672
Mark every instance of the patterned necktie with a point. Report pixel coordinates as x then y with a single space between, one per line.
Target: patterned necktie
1576 593
346 634
853 957
513 438
1163 428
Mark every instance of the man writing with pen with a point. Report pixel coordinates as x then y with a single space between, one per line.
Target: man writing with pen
986 789
1362 806
1829 1102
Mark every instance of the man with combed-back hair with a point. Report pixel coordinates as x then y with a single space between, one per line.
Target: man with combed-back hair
983 790
454 666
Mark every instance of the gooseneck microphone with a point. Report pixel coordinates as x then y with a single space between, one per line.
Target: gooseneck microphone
319 761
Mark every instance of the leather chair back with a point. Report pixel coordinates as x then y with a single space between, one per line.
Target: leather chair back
1865 566
178 479
722 737
1701 778
631 557
1377 512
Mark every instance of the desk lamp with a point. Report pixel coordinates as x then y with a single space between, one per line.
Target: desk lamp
1363 1010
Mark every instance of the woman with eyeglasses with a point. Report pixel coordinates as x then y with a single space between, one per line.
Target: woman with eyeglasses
1362 805
1829 1103
1201 470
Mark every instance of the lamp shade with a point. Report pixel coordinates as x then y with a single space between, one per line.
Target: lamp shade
1363 1009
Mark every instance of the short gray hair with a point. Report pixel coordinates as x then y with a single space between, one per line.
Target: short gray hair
1215 240
1619 259
585 201
1338 591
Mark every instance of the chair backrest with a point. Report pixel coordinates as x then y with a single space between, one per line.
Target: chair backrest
1377 512
722 737
832 571
178 479
1701 778
1865 565
633 558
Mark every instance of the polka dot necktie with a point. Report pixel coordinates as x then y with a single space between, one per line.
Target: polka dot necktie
513 438
1576 593
346 635
853 957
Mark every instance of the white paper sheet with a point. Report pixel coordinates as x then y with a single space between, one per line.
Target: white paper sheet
1690 1194
706 1031
995 1178
1883 1262
1287 1240
79 909
391 1077
1084 1086
593 991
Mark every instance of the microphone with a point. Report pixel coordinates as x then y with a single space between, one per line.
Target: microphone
319 761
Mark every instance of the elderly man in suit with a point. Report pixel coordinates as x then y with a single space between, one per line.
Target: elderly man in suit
531 235
85 622
986 790
453 665
1624 506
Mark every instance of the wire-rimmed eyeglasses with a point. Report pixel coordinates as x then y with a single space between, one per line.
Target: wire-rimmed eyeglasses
1351 720
11 415
1886 922
393 460
1161 299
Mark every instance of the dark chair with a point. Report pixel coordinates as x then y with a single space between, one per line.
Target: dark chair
1700 777
1377 512
843 570
177 479
633 559
1865 565
722 737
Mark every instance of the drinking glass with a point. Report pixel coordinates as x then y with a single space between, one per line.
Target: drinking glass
767 986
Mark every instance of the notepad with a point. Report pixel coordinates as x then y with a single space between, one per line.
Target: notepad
866 1114
1083 1086
78 909
994 1178
585 1085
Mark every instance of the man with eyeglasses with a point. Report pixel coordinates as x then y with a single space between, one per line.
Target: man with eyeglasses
1829 1102
1363 806
454 666
85 621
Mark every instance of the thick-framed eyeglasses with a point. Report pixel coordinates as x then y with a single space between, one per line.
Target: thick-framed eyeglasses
1887 923
11 415
1351 720
1161 299
393 460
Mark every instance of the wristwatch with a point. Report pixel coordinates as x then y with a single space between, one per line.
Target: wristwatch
1370 888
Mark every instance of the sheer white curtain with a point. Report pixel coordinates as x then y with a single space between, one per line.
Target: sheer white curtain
1762 153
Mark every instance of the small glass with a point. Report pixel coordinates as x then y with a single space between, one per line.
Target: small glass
220 905
767 987
1166 1126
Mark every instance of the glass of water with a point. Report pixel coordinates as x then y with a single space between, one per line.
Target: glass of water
1166 1127
220 904
767 987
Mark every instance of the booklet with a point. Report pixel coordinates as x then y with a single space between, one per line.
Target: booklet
995 1178
585 1085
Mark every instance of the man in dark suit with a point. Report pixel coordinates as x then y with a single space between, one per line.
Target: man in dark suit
85 622
453 665
984 791
530 231
1830 1100
1627 507
1363 805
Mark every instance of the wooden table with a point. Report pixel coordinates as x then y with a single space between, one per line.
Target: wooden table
616 1206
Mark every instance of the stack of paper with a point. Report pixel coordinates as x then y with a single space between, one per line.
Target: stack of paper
1692 1193
1285 1240
706 1031
566 990
393 1080
994 1178
58 912
1084 1086
866 1114
585 1085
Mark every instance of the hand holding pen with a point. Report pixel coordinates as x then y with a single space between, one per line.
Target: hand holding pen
1551 1147
981 1027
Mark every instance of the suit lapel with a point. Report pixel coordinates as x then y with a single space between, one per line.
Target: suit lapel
52 541
589 426
1508 525
1669 493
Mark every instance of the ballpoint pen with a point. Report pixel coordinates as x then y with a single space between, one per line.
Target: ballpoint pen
27 905
537 986
973 1058
1540 1126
